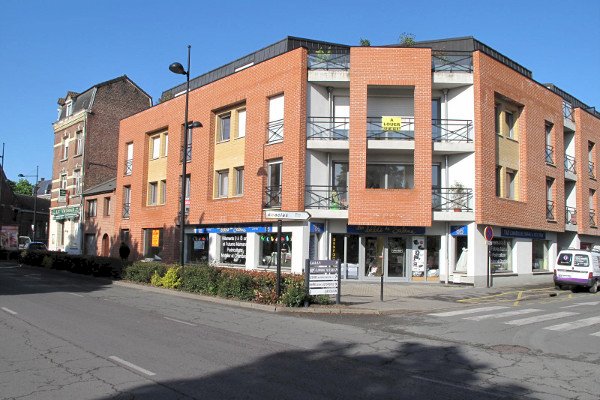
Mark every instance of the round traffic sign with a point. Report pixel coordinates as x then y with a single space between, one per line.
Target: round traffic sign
489 233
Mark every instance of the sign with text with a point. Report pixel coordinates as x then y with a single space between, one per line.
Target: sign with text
70 212
233 249
323 277
389 123
155 237
294 215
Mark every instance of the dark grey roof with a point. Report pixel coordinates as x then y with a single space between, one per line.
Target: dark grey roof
573 100
44 187
105 187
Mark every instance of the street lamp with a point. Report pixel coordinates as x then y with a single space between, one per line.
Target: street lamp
177 68
37 170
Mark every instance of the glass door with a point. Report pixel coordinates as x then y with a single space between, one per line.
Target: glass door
397 257
374 248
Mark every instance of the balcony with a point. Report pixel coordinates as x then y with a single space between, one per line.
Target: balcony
128 167
452 199
273 197
376 131
591 170
326 60
452 62
452 130
593 218
327 128
570 215
275 131
326 197
549 154
126 210
550 210
569 118
570 164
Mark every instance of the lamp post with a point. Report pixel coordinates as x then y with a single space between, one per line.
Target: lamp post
177 68
35 185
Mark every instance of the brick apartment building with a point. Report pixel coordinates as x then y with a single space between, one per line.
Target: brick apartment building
401 155
85 152
98 226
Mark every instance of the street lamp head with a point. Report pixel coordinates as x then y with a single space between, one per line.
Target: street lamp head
177 68
20 176
194 124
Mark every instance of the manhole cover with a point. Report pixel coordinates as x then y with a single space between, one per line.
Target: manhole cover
509 348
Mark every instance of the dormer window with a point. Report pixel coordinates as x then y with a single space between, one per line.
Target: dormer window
69 108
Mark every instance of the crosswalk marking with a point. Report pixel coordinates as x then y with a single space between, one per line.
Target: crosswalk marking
503 314
540 318
589 303
470 311
569 326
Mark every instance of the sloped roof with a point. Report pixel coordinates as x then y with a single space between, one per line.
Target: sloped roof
105 187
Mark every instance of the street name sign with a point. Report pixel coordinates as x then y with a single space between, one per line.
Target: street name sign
292 215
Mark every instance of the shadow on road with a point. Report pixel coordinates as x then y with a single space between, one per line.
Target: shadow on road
335 371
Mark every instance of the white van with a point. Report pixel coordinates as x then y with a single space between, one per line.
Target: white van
577 268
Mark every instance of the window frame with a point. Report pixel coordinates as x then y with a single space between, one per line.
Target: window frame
221 127
78 143
155 153
92 208
239 181
222 191
386 176
152 193
65 148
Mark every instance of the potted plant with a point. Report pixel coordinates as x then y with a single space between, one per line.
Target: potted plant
458 196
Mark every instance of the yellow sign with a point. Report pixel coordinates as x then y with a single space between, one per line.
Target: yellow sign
155 237
391 123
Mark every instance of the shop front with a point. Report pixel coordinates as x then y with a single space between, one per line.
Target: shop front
64 229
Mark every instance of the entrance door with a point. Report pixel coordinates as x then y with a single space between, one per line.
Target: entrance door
397 257
105 244
374 249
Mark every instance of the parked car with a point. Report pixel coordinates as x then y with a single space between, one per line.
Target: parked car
36 246
24 241
577 268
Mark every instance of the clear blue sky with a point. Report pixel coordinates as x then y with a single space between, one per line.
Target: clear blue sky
49 47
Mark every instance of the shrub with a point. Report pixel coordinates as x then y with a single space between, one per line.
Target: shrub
293 293
47 262
171 280
156 279
142 271
200 279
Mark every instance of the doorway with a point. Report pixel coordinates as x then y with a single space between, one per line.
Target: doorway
105 244
385 255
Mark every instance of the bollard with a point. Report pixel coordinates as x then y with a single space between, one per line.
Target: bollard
381 289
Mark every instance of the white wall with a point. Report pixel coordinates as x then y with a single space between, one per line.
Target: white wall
460 103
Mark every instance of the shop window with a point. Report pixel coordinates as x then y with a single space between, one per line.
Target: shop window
461 251
390 176
374 247
539 255
268 249
197 247
153 243
501 255
337 247
433 256
233 249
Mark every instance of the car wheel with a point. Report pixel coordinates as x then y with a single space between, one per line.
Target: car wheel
558 287
574 289
594 287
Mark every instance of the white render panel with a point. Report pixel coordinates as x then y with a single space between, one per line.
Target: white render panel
318 102
461 169
317 169
378 106
460 103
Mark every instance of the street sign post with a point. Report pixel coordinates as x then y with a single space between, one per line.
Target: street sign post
323 277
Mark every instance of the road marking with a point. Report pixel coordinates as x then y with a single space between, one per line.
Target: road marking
595 334
132 366
470 311
504 314
519 297
181 322
569 326
75 294
9 311
458 386
540 318
589 303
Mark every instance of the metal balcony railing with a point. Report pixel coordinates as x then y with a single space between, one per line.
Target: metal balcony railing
452 62
326 197
570 164
272 197
375 130
592 217
275 131
591 170
550 210
570 215
549 154
568 111
327 128
126 209
452 130
128 167
452 199
328 61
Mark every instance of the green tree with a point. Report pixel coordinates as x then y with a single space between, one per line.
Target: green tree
407 39
21 187
365 42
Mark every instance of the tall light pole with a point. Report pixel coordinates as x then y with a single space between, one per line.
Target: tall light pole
37 172
177 68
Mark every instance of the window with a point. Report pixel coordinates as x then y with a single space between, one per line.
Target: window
65 148
275 127
549 146
592 205
549 199
166 148
78 143
152 193
107 206
153 242
498 181
390 176
129 159
540 252
124 235
77 181
163 192
63 181
233 248
69 108
268 249
501 255
126 201
91 207
155 147
241 123
239 181
224 127
188 150
510 124
273 189
222 183
591 165
497 114
511 184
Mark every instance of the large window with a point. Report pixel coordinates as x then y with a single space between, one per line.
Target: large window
239 181
77 181
539 255
78 143
501 255
224 127
233 248
390 176
222 183
268 249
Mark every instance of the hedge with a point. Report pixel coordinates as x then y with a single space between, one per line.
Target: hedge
87 265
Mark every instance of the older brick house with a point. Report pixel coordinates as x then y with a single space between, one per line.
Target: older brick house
85 151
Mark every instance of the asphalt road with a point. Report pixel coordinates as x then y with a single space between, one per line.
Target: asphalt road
63 336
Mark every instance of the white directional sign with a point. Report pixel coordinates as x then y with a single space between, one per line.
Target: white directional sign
323 277
294 215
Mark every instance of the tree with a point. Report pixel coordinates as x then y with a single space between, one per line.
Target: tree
407 39
21 187
365 42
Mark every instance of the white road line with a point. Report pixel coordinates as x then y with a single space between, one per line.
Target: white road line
569 326
132 366
459 386
595 334
540 318
589 303
470 311
181 322
75 294
9 311
504 314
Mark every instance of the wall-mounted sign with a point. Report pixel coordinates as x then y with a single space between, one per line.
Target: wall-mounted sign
521 233
155 237
62 195
235 229
70 212
386 230
391 123
293 215
461 230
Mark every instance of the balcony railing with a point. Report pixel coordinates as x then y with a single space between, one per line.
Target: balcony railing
126 209
326 197
375 130
327 128
592 217
328 61
549 154
568 111
273 197
128 167
275 131
550 210
570 164
591 170
452 199
452 130
571 215
452 62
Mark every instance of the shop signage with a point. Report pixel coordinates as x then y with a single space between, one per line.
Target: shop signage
317 228
520 233
293 215
499 255
386 230
461 230
391 123
233 249
65 212
323 276
235 229
155 237
62 195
